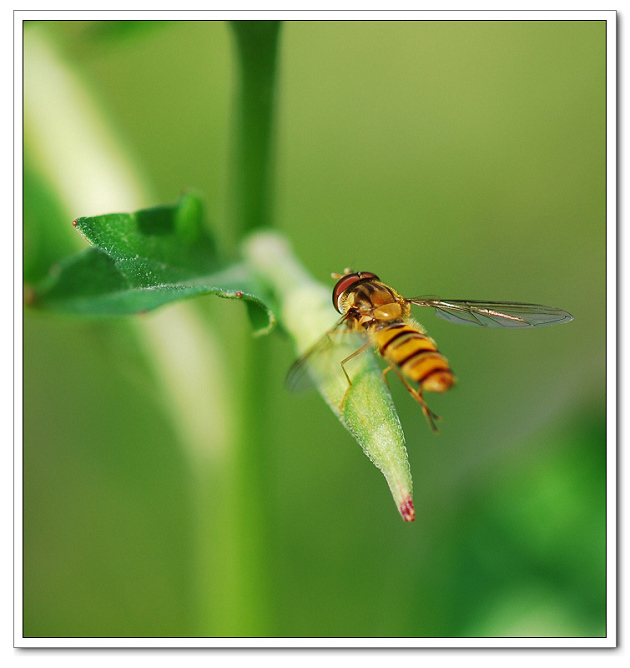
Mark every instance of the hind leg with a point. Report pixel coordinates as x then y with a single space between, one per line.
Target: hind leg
417 395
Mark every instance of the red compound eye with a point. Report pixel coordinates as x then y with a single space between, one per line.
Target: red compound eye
347 281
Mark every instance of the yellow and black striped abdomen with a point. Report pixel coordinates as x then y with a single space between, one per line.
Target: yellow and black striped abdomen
416 355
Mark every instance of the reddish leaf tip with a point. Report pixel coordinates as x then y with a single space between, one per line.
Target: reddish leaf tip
74 223
407 510
239 294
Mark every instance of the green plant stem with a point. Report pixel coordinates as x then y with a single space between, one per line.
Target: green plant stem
256 47
250 207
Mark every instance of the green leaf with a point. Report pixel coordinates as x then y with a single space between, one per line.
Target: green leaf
368 412
142 260
165 244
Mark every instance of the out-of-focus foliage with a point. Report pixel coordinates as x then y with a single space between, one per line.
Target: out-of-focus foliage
464 159
46 236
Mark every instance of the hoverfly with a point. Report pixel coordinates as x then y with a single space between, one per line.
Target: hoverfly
381 316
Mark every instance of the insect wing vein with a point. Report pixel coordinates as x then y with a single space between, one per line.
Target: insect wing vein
495 314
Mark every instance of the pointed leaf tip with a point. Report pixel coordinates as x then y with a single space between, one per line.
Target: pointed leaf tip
407 510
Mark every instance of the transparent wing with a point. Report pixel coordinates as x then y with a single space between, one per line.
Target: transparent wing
494 314
323 359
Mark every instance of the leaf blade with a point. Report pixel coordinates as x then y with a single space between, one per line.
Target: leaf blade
143 260
366 409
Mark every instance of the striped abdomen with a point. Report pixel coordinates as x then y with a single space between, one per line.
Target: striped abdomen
416 355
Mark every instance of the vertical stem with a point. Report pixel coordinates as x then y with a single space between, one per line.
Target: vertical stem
250 208
256 46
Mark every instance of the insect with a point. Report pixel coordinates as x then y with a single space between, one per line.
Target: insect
381 317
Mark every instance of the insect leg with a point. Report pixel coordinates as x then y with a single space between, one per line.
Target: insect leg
417 395
363 348
385 372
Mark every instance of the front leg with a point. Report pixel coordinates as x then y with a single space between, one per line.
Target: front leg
363 348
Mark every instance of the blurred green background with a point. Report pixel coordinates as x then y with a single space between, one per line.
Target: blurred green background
461 159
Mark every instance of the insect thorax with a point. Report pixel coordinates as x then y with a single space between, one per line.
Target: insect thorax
373 303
